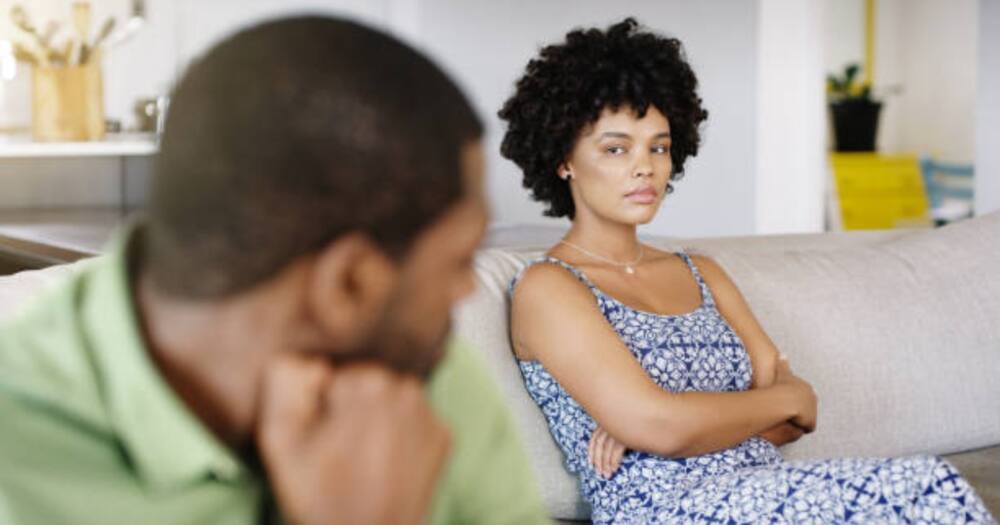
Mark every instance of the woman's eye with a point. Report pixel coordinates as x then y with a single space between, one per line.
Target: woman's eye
661 149
615 150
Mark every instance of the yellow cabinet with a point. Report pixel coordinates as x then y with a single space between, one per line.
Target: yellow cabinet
879 191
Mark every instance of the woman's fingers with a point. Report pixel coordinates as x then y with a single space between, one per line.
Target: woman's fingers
592 446
609 452
604 452
602 443
617 452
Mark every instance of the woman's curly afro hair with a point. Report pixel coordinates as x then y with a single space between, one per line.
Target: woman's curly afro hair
569 84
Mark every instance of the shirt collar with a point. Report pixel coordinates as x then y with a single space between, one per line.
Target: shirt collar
167 444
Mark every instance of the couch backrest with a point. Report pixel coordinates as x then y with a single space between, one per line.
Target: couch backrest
899 332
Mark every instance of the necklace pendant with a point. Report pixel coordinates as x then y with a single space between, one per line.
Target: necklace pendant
629 270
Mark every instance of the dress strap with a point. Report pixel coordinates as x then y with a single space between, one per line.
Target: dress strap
551 260
706 293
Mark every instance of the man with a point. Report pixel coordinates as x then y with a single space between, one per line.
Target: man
269 343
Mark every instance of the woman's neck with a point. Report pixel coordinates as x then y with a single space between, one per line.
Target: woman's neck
615 241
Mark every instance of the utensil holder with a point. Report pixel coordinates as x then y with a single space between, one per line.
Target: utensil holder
68 102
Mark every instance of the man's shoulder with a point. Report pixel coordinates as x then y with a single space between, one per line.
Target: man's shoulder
461 378
490 479
465 395
44 360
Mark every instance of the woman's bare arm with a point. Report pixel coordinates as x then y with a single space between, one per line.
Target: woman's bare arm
556 320
764 354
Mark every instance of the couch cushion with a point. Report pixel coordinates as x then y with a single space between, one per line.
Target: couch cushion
982 469
899 332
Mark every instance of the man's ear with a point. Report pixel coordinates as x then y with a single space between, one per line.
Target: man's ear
348 289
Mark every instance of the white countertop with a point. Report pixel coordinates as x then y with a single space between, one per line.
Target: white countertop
21 145
58 235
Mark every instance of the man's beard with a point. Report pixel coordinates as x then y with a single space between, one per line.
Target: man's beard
392 342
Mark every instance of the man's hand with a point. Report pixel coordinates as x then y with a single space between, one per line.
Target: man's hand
805 396
356 444
604 452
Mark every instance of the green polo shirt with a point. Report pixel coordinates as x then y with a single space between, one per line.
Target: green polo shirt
90 432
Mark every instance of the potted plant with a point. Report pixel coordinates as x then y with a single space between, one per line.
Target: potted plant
855 113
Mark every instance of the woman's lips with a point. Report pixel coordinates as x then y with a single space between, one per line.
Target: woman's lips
645 195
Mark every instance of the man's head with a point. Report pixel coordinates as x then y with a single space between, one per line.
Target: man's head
320 145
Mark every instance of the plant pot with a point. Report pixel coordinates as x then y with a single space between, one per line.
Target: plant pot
855 124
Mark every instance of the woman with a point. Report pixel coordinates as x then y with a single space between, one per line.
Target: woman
665 395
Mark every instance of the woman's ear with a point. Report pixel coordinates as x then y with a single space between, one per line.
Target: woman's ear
348 289
564 171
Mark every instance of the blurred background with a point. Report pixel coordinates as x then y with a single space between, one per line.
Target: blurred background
825 115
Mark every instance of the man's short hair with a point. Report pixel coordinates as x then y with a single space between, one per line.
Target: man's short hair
290 134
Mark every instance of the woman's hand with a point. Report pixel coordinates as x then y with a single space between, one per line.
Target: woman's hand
805 395
604 453
782 434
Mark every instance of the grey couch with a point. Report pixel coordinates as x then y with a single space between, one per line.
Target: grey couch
898 331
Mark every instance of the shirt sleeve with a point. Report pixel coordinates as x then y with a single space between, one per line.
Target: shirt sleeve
489 479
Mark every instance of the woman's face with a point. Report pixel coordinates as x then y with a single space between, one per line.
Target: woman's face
620 167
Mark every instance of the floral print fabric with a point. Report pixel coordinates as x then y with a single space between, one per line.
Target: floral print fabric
748 483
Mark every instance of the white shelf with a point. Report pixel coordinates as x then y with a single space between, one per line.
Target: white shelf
114 145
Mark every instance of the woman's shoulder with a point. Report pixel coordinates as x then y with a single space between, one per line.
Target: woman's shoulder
700 260
545 276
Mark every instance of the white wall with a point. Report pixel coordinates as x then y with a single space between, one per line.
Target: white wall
988 110
486 45
760 65
759 170
925 71
791 119
934 114
843 33
175 32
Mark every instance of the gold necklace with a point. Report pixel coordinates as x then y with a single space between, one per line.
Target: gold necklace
629 266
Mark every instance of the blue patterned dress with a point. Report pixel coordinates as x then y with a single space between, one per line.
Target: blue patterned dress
750 482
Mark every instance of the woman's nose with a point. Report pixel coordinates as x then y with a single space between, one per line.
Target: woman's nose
643 166
642 170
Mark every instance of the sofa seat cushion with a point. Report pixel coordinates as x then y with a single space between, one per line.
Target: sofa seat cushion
982 469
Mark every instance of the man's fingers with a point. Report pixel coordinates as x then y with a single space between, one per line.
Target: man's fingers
356 385
292 396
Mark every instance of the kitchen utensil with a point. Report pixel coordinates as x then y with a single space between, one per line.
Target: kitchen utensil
67 51
136 19
25 54
50 32
59 55
81 23
20 18
106 29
